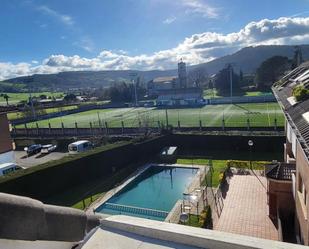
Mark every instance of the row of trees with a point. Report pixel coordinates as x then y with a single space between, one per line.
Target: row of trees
121 92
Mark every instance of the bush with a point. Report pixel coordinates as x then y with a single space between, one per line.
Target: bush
256 165
300 93
205 219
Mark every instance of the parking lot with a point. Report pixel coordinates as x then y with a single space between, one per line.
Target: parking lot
27 162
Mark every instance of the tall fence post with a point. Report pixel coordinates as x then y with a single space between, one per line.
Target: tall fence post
62 127
37 128
178 125
91 130
201 125
223 124
106 127
275 124
49 128
76 128
26 128
122 126
248 124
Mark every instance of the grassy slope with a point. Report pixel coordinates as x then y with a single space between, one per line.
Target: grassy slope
259 114
15 115
17 97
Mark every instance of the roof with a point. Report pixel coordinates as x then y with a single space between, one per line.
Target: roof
294 111
5 165
280 171
121 231
167 79
79 142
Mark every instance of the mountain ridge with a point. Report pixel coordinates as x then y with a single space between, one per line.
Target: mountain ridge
247 59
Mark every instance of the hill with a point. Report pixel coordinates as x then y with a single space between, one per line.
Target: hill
246 59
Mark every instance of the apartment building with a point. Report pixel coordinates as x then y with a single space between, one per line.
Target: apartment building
296 149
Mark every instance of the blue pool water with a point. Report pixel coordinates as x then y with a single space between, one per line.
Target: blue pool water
157 188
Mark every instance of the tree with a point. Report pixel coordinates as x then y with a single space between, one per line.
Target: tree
223 81
197 77
6 97
43 96
300 93
70 97
241 77
298 57
270 71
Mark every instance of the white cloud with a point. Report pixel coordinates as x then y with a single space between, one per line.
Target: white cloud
85 43
65 19
198 48
169 20
200 7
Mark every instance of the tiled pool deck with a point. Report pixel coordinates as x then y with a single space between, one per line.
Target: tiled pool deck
245 209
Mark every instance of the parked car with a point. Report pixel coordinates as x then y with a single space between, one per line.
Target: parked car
33 149
79 146
47 148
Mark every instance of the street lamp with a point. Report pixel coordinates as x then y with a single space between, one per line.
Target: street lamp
250 143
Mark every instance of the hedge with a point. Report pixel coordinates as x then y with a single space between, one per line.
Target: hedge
51 178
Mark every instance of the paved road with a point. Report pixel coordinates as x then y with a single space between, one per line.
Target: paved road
27 162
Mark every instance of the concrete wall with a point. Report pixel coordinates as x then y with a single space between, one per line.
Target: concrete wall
23 218
186 235
280 198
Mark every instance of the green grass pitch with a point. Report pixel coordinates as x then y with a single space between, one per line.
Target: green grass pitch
235 115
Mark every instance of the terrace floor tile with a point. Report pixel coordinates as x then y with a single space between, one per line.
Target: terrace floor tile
245 209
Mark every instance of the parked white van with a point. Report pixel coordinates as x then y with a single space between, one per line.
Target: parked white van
6 168
79 146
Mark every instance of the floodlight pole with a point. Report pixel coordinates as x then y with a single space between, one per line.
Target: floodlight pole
32 108
135 92
231 79
166 118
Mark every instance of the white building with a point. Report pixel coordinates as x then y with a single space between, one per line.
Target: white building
161 83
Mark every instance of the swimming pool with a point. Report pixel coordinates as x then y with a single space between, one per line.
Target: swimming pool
152 194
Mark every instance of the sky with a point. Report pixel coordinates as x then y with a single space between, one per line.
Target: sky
50 36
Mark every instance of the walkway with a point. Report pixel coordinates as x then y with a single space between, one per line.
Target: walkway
245 209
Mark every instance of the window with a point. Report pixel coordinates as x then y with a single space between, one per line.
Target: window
73 148
302 189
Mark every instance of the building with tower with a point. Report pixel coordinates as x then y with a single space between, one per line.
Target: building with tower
174 91
182 74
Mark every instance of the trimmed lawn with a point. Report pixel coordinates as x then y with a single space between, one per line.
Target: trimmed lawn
219 166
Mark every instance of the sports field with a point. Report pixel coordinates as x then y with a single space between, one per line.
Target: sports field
260 115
